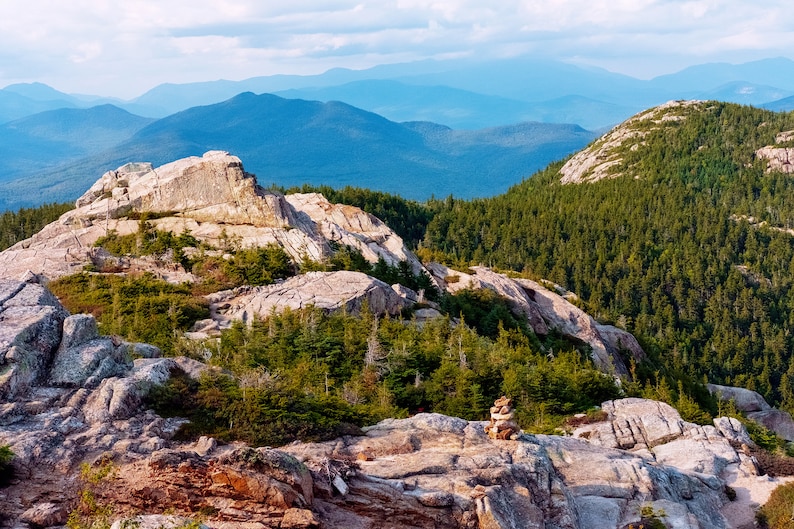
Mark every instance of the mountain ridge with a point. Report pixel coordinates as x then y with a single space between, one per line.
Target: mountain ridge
292 142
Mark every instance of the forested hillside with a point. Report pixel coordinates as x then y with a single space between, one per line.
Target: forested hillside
685 246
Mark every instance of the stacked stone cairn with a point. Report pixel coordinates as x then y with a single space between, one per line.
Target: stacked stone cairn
502 425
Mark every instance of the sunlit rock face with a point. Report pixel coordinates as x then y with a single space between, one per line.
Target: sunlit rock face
214 199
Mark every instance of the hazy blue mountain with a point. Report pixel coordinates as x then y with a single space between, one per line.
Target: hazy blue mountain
523 79
290 142
39 92
745 93
169 98
461 109
14 105
781 105
54 137
514 82
777 72
533 80
466 92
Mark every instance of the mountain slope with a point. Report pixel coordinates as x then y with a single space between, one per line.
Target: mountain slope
670 226
777 72
291 142
15 106
47 139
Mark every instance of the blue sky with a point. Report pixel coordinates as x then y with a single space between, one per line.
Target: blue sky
123 48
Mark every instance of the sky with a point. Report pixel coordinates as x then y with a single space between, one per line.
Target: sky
123 48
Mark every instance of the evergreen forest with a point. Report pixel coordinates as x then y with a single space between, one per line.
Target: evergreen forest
688 246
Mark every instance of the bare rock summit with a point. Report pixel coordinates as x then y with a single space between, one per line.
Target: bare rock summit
602 159
214 199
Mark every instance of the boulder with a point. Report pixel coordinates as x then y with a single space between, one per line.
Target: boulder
88 363
46 514
350 226
778 158
31 320
745 400
155 521
78 329
778 421
342 290
656 430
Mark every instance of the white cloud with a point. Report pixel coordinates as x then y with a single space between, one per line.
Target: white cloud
125 47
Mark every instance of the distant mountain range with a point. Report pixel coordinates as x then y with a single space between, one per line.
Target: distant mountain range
283 141
458 93
433 127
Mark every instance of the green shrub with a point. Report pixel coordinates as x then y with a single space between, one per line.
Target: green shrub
6 469
141 308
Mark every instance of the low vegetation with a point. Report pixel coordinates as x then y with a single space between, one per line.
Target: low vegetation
91 512
777 512
139 308
6 469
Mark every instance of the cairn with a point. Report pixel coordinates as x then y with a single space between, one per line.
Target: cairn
502 425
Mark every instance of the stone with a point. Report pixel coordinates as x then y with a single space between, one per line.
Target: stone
436 499
340 485
143 350
154 521
778 421
330 291
778 158
502 425
299 519
520 302
46 514
78 329
192 368
205 445
597 511
745 400
350 226
88 363
733 430
31 320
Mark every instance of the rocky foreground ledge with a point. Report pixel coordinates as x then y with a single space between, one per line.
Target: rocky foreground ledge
68 396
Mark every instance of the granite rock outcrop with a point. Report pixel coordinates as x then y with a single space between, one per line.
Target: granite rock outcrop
602 159
546 310
214 199
329 291
757 409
